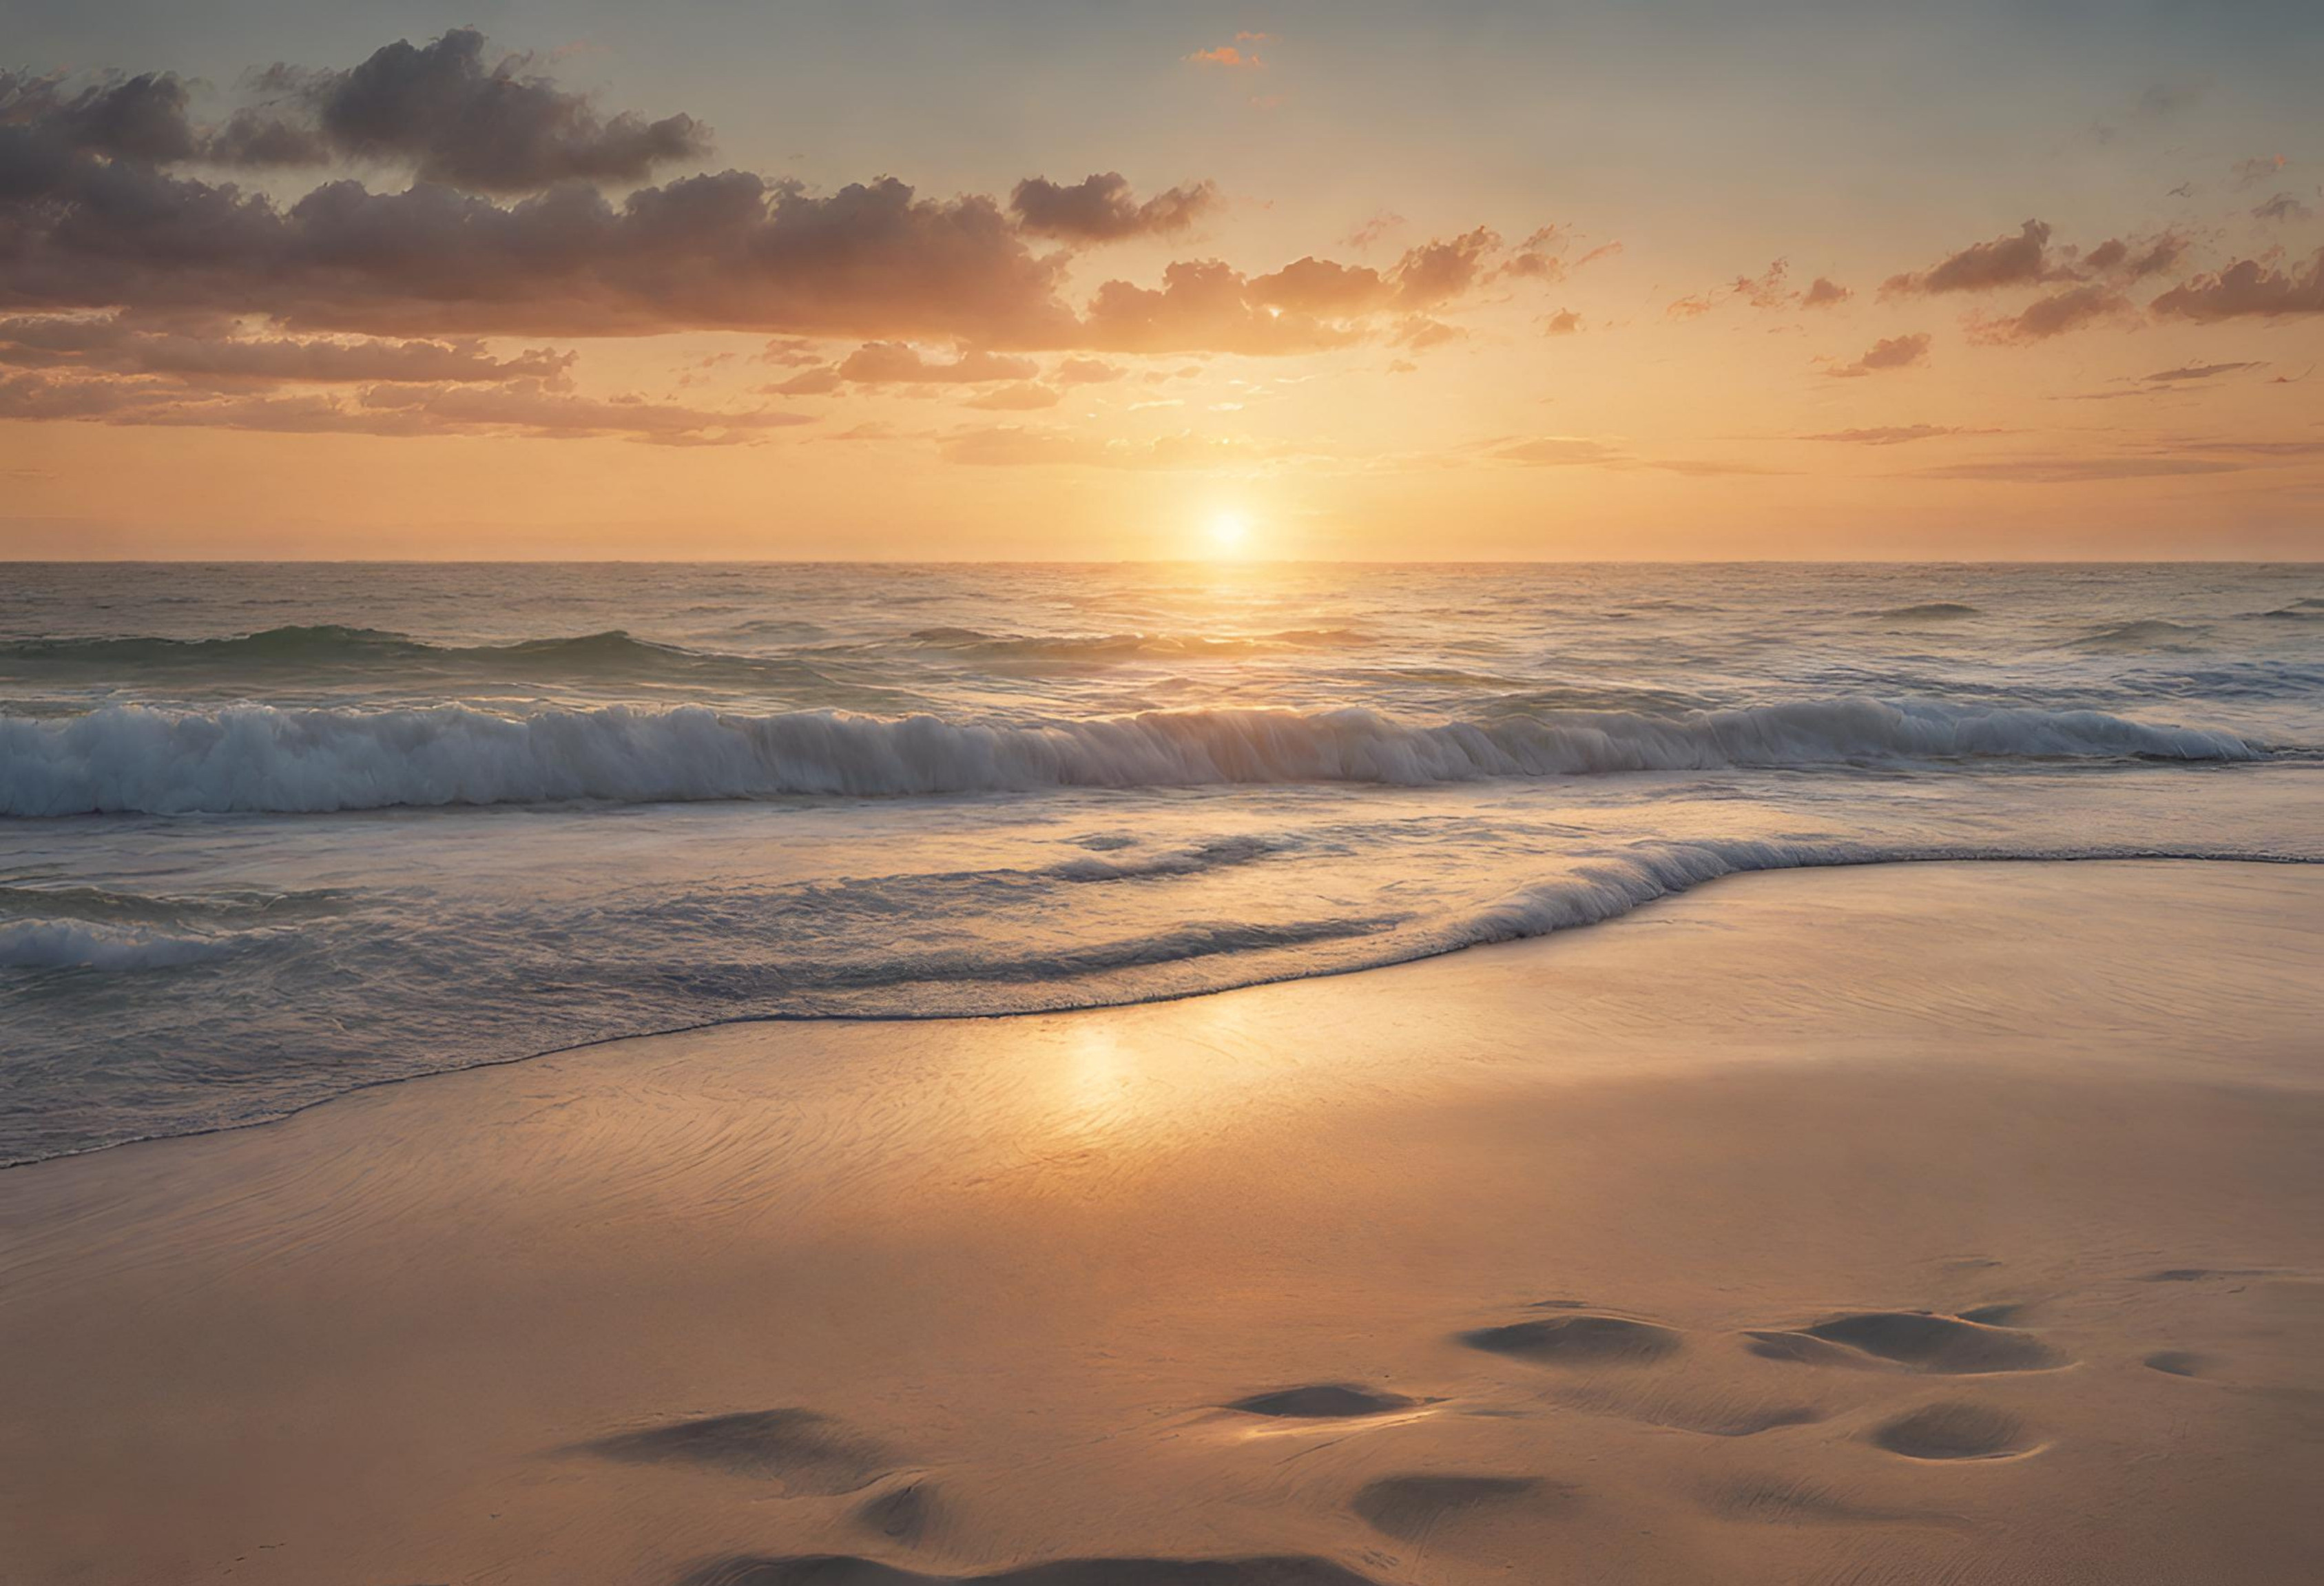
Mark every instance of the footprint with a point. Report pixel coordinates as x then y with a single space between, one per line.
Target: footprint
1578 1341
1711 1413
1919 1340
844 1570
1951 1431
901 1516
1322 1401
809 1453
1412 1507
2179 1363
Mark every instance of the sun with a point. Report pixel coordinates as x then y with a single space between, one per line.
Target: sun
1230 531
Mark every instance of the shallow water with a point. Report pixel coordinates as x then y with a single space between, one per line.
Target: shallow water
269 834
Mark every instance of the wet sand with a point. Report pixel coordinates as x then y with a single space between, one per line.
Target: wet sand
1945 1223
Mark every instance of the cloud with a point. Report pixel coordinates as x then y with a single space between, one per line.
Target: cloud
1310 305
726 251
2283 207
2067 470
113 345
140 118
820 381
532 409
1895 352
1541 256
2262 168
495 127
2022 260
1022 397
895 362
2119 260
1086 372
1229 56
2055 315
1319 286
1565 322
2248 288
1824 293
1580 451
2198 371
1559 451
1100 208
1375 231
1894 434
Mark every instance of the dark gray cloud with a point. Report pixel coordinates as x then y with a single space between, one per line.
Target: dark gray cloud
2283 207
1100 208
455 118
2022 260
141 117
2248 288
2073 308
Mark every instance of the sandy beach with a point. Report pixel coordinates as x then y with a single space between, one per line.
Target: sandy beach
1910 1223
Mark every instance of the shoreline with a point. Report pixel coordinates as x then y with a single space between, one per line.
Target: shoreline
1607 1234
1515 937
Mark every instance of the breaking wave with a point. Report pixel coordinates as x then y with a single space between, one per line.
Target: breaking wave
40 943
257 758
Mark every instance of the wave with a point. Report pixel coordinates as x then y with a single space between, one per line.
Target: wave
1115 647
251 758
2151 634
43 944
328 647
1935 610
2299 609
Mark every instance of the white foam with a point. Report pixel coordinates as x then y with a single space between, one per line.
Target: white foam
48 944
261 758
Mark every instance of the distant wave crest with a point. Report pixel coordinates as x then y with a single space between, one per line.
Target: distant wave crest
261 758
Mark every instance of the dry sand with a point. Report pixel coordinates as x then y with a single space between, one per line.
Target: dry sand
1942 1223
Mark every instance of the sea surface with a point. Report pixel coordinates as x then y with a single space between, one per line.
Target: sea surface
269 834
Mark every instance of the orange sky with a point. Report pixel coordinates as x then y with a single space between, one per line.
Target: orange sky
440 300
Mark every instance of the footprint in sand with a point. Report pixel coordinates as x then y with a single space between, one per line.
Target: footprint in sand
1951 1431
1413 1507
2179 1363
1322 1401
1918 1340
1578 1341
842 1570
902 1515
810 1454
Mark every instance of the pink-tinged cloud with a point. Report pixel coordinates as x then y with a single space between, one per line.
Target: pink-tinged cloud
2248 288
1894 434
1565 322
895 362
1895 352
1226 55
525 408
1022 397
1086 372
1824 293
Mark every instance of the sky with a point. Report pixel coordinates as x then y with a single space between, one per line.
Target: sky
972 279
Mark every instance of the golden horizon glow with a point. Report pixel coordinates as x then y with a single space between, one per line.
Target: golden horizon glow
1395 317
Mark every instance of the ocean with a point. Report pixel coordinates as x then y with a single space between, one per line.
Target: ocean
270 834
